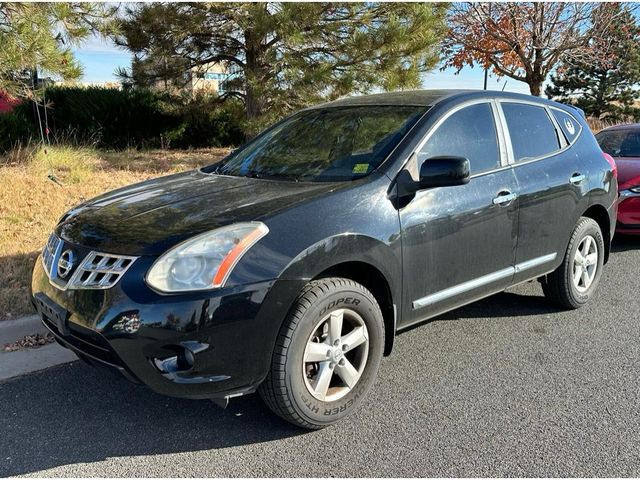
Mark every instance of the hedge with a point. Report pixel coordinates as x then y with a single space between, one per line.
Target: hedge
118 119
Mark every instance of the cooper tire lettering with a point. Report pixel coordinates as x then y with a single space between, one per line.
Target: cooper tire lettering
286 388
340 301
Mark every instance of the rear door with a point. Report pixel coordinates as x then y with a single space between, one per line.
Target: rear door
550 184
459 242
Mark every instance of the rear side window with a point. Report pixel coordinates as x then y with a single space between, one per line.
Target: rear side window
569 125
531 130
470 133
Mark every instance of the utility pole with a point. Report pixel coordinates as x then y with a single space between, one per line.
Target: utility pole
486 69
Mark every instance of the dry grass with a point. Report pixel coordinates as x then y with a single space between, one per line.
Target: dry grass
31 203
597 124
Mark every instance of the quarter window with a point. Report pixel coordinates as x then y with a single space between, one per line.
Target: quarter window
568 124
531 130
469 133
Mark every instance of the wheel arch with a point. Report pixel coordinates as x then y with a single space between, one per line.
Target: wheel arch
601 216
373 280
363 259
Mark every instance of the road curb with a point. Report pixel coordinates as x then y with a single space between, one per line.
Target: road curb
12 330
23 362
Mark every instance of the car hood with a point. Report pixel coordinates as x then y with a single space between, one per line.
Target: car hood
149 217
628 172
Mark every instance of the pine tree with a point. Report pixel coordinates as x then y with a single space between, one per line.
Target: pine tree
288 54
604 80
36 38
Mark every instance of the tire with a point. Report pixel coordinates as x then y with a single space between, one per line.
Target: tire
305 354
560 286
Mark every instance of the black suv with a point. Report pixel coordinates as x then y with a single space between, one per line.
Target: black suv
289 266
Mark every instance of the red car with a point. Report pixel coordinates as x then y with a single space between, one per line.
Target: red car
7 102
622 142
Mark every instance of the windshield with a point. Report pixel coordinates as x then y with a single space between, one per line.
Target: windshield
323 145
620 143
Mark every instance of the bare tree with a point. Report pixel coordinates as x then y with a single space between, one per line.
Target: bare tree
523 41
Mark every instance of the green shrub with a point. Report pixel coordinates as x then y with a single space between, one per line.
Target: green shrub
109 118
207 123
120 119
16 128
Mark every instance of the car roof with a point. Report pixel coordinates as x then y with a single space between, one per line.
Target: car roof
624 126
427 98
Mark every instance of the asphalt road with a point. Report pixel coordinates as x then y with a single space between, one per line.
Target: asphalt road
507 386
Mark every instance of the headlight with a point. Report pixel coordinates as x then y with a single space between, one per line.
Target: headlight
635 189
204 261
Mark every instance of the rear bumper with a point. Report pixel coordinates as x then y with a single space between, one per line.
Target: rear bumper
628 213
233 330
624 229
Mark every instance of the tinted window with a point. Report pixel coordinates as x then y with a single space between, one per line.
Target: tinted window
469 133
569 125
330 144
620 143
531 130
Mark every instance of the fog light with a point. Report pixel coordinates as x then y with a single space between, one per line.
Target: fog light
172 364
183 361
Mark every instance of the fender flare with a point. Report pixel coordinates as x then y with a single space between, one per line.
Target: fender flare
331 252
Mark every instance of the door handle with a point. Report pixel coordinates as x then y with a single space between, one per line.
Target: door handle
577 178
505 198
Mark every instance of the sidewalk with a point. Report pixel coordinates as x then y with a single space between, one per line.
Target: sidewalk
22 362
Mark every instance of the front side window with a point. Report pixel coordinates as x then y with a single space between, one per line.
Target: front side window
470 133
331 144
531 130
620 143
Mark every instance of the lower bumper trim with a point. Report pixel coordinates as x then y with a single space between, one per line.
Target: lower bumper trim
87 356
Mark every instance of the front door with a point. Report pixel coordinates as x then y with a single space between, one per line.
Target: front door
459 242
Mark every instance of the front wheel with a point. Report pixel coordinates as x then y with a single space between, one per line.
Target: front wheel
327 354
575 281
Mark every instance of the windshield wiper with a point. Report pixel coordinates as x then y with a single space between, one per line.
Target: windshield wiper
218 169
270 176
253 174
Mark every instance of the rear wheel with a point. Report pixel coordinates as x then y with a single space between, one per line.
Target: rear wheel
327 354
574 282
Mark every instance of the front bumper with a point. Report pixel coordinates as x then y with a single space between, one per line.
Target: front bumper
628 213
131 329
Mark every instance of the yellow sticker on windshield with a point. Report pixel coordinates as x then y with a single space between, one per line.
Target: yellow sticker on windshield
360 168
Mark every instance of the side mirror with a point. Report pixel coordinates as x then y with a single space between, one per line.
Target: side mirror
444 172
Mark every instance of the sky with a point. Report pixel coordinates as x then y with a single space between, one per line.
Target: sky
100 58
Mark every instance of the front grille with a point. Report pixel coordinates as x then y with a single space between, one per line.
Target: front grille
51 252
97 271
100 271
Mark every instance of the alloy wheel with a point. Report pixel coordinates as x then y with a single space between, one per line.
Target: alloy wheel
335 355
585 264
